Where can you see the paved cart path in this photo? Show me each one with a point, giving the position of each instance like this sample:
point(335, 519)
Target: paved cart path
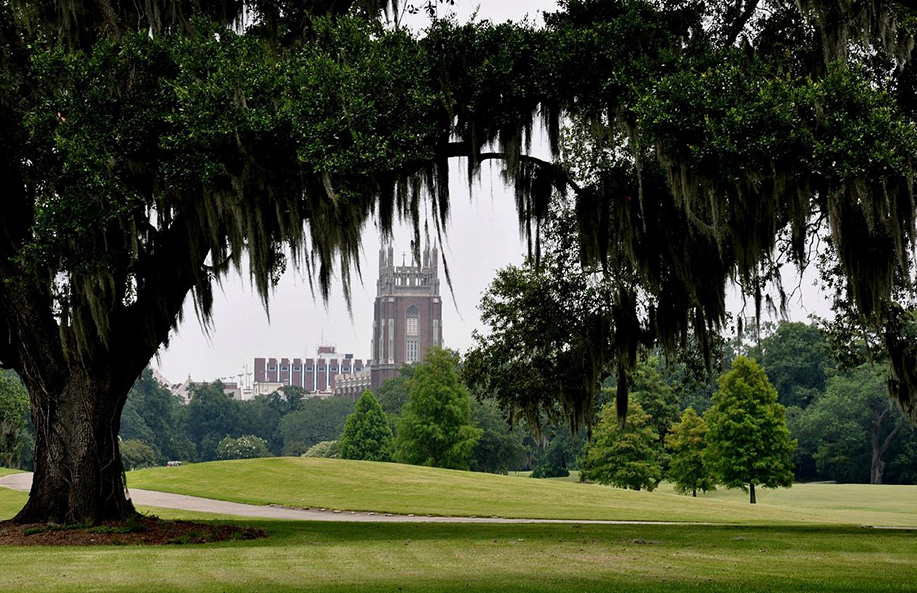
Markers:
point(152, 498)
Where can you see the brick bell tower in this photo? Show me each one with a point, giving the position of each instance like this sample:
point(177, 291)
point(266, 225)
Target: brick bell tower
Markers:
point(407, 316)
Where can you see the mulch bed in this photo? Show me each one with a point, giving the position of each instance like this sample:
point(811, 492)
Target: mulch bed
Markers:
point(140, 531)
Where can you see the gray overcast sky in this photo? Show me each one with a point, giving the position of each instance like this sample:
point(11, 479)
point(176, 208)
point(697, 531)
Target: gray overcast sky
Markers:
point(482, 237)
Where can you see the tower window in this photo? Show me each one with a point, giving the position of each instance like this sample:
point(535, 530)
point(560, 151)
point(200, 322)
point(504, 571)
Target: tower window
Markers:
point(412, 321)
point(411, 330)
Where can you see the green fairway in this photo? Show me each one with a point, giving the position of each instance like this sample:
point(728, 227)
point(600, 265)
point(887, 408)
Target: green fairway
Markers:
point(844, 499)
point(550, 558)
point(404, 489)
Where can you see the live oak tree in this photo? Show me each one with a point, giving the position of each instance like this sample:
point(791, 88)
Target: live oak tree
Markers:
point(149, 148)
point(367, 434)
point(146, 148)
point(748, 443)
point(688, 466)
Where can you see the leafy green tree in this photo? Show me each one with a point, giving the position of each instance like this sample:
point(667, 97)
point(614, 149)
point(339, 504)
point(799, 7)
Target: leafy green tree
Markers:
point(261, 416)
point(499, 449)
point(436, 427)
point(210, 416)
point(247, 446)
point(688, 467)
point(797, 360)
point(748, 442)
point(137, 454)
point(549, 335)
point(655, 396)
point(319, 419)
point(14, 403)
point(393, 394)
point(623, 456)
point(366, 433)
point(851, 427)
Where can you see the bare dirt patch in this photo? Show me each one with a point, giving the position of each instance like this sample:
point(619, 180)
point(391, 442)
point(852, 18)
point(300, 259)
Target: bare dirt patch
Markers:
point(139, 531)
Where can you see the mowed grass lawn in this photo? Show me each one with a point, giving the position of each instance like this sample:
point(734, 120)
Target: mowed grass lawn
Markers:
point(340, 557)
point(404, 489)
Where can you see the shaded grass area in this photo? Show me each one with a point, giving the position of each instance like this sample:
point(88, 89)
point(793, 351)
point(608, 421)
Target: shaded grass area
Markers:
point(437, 557)
point(405, 489)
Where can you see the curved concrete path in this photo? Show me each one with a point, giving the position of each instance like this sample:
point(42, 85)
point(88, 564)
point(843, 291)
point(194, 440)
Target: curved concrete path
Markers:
point(152, 498)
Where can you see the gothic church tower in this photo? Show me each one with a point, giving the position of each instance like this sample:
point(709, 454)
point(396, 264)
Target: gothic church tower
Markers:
point(407, 317)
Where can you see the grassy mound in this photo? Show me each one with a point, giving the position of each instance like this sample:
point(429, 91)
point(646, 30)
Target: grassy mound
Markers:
point(403, 489)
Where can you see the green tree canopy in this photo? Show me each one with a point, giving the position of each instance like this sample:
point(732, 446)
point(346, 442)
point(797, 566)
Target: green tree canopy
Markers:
point(436, 426)
point(319, 419)
point(623, 456)
point(688, 466)
point(851, 426)
point(797, 360)
point(327, 449)
point(499, 448)
point(654, 394)
point(748, 442)
point(137, 454)
point(209, 417)
point(366, 432)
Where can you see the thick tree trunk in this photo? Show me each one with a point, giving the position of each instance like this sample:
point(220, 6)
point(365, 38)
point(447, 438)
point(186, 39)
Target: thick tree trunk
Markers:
point(79, 477)
point(751, 494)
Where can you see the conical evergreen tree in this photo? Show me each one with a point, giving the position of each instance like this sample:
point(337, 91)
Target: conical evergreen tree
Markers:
point(366, 433)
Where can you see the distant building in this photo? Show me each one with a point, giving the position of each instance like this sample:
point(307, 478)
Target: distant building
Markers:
point(354, 384)
point(317, 375)
point(407, 320)
point(407, 316)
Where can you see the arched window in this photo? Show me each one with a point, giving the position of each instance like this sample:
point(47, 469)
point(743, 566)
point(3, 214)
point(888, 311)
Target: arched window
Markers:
point(411, 333)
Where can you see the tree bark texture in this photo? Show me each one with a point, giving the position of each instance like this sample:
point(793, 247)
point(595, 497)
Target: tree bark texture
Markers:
point(79, 477)
point(751, 494)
